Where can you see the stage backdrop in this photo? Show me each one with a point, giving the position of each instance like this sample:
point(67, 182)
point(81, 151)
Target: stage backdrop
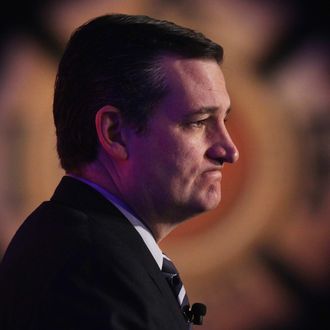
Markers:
point(261, 260)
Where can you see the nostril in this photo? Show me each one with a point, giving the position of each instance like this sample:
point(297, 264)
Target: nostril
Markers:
point(218, 161)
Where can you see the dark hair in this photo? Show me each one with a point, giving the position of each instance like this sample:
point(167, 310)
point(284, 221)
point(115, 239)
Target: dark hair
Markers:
point(115, 59)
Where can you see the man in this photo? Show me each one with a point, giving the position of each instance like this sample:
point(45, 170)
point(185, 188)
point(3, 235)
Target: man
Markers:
point(140, 107)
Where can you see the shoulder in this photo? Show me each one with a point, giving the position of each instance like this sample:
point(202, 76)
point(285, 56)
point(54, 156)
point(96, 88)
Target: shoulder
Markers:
point(85, 266)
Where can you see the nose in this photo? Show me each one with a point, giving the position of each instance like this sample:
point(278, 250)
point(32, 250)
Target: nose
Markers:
point(223, 150)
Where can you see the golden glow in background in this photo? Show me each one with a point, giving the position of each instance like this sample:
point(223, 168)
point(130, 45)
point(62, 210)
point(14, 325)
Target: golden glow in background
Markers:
point(261, 260)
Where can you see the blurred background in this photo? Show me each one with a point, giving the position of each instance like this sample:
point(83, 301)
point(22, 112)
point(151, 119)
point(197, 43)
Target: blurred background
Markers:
point(260, 261)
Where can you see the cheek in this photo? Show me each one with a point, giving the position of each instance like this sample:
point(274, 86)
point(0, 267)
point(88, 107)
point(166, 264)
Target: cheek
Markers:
point(186, 167)
point(175, 158)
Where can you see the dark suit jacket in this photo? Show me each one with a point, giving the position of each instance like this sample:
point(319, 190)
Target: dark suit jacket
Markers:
point(77, 263)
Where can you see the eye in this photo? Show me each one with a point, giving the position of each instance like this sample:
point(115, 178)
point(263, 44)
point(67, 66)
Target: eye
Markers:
point(198, 123)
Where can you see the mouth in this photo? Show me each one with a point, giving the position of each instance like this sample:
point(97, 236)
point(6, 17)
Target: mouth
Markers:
point(214, 174)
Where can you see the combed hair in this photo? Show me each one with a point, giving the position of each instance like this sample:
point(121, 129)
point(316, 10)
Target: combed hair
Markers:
point(115, 59)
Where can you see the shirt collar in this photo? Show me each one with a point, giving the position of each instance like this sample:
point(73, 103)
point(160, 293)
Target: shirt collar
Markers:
point(144, 232)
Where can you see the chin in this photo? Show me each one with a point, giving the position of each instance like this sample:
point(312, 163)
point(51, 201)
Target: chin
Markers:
point(213, 198)
point(208, 204)
point(202, 202)
point(212, 206)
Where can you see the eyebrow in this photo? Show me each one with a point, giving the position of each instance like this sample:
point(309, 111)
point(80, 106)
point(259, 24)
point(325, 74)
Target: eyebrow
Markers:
point(206, 110)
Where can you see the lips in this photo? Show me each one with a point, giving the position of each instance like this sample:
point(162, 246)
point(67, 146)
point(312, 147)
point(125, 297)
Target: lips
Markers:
point(213, 174)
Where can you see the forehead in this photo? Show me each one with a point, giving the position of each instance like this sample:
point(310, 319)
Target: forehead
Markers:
point(195, 83)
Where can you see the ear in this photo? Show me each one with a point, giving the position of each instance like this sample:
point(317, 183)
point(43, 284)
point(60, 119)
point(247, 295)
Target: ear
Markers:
point(109, 128)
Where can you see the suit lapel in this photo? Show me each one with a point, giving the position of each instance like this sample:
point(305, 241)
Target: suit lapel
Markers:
point(78, 195)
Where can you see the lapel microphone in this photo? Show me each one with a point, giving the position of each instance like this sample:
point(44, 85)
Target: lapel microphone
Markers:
point(196, 313)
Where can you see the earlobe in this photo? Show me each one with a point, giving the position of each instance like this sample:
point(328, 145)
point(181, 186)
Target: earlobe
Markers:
point(109, 129)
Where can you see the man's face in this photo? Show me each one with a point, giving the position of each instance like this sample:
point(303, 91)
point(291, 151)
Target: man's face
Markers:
point(176, 165)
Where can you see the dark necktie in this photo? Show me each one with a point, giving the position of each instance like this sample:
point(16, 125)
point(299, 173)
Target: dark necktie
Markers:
point(172, 276)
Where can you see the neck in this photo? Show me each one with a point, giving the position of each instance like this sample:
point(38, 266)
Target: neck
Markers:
point(99, 174)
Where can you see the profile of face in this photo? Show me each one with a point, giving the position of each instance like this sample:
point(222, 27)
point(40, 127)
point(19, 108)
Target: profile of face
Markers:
point(175, 167)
